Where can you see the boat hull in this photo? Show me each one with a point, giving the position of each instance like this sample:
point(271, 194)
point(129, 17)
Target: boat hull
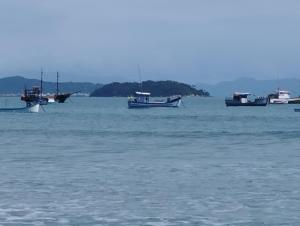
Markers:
point(150, 105)
point(61, 98)
point(31, 109)
point(259, 102)
point(278, 101)
point(174, 104)
point(256, 103)
point(245, 104)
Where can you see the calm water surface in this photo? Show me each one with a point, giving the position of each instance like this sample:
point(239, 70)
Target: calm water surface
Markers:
point(92, 161)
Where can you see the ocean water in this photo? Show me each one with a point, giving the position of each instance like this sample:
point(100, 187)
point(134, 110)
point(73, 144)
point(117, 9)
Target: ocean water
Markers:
point(92, 161)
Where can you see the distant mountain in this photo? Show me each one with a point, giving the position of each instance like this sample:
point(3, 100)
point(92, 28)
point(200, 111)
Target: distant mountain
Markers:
point(258, 87)
point(160, 88)
point(16, 85)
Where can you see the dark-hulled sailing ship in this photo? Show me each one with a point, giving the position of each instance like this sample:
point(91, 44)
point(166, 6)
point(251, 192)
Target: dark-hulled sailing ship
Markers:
point(61, 97)
point(36, 94)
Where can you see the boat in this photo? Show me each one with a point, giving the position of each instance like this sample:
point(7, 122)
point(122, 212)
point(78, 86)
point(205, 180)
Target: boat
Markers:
point(279, 97)
point(30, 107)
point(61, 97)
point(36, 94)
point(283, 97)
point(297, 109)
point(142, 100)
point(241, 99)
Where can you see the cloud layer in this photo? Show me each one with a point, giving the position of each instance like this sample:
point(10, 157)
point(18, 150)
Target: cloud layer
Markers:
point(192, 41)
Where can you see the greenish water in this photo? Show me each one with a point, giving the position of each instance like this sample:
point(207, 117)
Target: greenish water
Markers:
point(92, 161)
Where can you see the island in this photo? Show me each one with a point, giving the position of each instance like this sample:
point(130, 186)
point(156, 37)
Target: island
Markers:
point(156, 88)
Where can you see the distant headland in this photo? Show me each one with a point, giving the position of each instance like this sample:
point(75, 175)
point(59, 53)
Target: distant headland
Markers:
point(254, 86)
point(156, 88)
point(15, 85)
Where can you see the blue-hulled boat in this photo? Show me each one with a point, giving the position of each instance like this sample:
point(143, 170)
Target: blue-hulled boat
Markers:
point(241, 99)
point(142, 100)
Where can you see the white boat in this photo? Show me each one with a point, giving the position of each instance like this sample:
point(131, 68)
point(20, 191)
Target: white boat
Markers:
point(142, 100)
point(31, 108)
point(280, 97)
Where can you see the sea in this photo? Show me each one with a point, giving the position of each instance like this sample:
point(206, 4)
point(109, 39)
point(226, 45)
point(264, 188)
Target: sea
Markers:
point(93, 161)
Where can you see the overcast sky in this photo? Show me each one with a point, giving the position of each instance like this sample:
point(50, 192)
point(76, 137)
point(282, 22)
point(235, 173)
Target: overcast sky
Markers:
point(193, 41)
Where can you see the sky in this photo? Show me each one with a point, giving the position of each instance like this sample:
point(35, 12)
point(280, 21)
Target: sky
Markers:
point(193, 41)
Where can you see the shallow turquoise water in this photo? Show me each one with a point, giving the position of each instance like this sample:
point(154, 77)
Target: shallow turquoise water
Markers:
point(92, 161)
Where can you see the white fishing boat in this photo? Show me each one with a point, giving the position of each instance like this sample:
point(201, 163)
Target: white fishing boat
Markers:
point(280, 97)
point(142, 100)
point(30, 107)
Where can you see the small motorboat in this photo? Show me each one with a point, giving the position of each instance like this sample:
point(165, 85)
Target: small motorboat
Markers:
point(241, 99)
point(279, 97)
point(142, 100)
point(30, 107)
point(297, 109)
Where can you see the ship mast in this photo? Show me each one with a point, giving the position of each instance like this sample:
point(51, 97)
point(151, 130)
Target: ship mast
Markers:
point(57, 83)
point(140, 78)
point(41, 94)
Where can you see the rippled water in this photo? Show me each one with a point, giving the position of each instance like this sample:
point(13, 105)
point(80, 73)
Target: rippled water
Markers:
point(92, 161)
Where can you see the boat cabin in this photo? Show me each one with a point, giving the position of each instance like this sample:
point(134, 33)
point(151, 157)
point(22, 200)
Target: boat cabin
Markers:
point(241, 97)
point(282, 94)
point(142, 97)
point(34, 91)
point(31, 94)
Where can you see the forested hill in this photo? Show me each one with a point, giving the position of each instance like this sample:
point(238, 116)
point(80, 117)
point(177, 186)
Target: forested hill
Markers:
point(158, 89)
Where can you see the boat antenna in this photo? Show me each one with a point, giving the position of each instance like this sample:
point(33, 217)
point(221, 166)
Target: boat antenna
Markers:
point(140, 77)
point(57, 76)
point(278, 83)
point(41, 82)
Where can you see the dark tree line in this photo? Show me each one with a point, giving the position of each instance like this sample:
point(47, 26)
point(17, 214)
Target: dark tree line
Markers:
point(158, 89)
